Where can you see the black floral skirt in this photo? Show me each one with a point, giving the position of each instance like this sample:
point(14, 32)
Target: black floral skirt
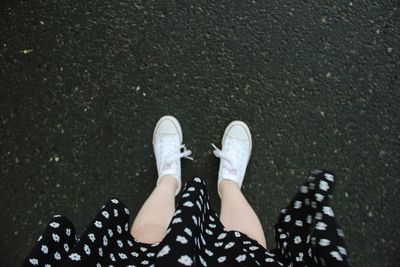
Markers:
point(306, 234)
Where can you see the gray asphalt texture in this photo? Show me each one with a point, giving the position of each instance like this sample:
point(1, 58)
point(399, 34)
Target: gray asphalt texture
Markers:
point(82, 84)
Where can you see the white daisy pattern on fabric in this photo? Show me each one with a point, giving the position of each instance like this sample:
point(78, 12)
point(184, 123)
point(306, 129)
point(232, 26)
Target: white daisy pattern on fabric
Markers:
point(196, 236)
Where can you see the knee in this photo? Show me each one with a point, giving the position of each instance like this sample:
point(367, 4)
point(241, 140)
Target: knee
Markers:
point(149, 233)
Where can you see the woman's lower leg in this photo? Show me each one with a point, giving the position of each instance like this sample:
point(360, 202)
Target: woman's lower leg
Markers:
point(237, 214)
point(152, 221)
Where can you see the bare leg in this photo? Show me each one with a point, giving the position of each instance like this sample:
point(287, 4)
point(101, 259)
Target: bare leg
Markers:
point(237, 214)
point(150, 224)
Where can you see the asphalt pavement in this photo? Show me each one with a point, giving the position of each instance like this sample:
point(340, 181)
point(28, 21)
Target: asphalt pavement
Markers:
point(82, 84)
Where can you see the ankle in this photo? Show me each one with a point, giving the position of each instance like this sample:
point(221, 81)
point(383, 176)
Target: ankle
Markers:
point(168, 182)
point(227, 186)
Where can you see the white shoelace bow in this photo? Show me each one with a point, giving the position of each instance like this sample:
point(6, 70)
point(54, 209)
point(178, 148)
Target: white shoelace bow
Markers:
point(175, 155)
point(223, 155)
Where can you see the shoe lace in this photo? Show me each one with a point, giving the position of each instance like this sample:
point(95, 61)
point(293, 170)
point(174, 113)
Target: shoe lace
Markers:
point(177, 154)
point(223, 155)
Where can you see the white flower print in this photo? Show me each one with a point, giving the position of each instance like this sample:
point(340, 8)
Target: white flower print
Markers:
point(150, 254)
point(34, 261)
point(122, 256)
point(105, 241)
point(68, 232)
point(336, 255)
point(342, 250)
point(54, 224)
point(297, 240)
point(119, 242)
point(47, 265)
point(329, 177)
point(145, 262)
point(126, 211)
point(197, 179)
point(92, 237)
point(209, 253)
point(177, 212)
point(105, 214)
point(130, 243)
point(221, 259)
point(66, 247)
point(253, 248)
point(303, 189)
point(203, 262)
point(87, 249)
point(318, 216)
point(324, 242)
point(241, 258)
point(185, 195)
point(75, 257)
point(340, 232)
point(211, 218)
point(119, 229)
point(115, 201)
point(188, 231)
point(126, 227)
point(181, 239)
point(198, 204)
point(298, 223)
point(112, 257)
point(101, 252)
point(237, 234)
point(56, 237)
point(164, 251)
point(191, 189)
point(176, 220)
point(221, 236)
point(297, 204)
point(319, 197)
point(40, 238)
point(194, 220)
point(323, 185)
point(202, 239)
point(282, 236)
point(98, 265)
point(185, 260)
point(98, 224)
point(110, 233)
point(211, 225)
point(188, 204)
point(218, 244)
point(229, 245)
point(57, 256)
point(270, 260)
point(321, 226)
point(328, 211)
point(209, 232)
point(287, 218)
point(300, 257)
point(45, 249)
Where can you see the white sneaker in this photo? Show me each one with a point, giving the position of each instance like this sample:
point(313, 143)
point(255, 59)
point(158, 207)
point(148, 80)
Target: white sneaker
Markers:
point(235, 153)
point(167, 146)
